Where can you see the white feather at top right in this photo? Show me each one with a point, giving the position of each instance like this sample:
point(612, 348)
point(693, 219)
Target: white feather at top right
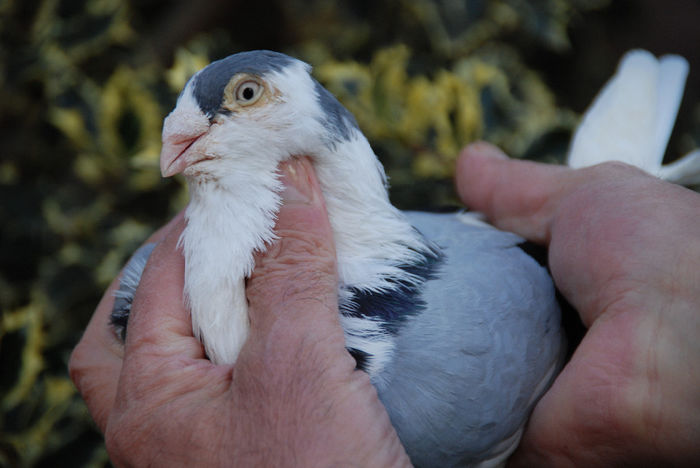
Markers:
point(632, 117)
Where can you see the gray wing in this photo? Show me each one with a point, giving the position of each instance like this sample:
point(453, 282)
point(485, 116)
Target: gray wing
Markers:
point(467, 371)
point(124, 296)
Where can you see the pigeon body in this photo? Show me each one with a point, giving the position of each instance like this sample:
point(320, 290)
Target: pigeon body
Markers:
point(467, 369)
point(456, 326)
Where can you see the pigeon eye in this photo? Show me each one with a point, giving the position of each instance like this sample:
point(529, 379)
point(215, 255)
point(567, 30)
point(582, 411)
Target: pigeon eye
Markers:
point(248, 92)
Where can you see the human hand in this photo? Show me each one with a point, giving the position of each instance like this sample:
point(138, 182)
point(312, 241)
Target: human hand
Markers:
point(624, 249)
point(293, 398)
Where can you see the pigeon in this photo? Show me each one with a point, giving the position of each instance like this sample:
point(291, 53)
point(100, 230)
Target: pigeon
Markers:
point(457, 326)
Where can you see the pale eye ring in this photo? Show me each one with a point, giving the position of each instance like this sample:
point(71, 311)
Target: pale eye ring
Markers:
point(248, 92)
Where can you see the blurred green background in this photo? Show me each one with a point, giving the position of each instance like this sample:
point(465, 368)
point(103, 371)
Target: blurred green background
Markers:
point(84, 86)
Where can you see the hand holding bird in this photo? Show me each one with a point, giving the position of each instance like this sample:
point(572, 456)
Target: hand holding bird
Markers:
point(455, 327)
point(595, 402)
point(624, 247)
point(293, 397)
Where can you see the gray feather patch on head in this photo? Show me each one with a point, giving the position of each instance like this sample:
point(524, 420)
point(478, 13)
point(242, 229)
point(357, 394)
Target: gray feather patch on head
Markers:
point(336, 118)
point(209, 84)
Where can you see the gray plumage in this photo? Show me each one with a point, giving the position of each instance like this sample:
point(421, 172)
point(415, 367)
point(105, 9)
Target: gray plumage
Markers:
point(210, 83)
point(487, 345)
point(336, 117)
point(469, 368)
point(129, 281)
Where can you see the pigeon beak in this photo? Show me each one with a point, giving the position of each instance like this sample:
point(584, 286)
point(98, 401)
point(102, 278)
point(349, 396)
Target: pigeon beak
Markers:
point(181, 131)
point(174, 157)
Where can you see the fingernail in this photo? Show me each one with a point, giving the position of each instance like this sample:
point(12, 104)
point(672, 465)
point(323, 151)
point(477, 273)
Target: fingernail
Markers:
point(297, 181)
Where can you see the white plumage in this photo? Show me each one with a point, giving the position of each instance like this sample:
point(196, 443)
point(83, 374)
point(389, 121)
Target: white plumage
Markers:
point(632, 118)
point(234, 198)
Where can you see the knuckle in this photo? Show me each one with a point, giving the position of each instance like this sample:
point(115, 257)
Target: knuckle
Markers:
point(613, 169)
point(294, 263)
point(295, 245)
point(76, 367)
point(128, 434)
point(119, 442)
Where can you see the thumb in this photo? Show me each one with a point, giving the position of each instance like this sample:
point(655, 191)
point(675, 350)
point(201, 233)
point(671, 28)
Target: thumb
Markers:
point(518, 196)
point(293, 291)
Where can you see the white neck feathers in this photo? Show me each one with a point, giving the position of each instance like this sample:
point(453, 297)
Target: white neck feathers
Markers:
point(231, 217)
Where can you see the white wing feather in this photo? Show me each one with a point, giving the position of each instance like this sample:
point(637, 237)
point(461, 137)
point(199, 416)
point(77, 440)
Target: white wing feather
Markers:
point(632, 117)
point(684, 171)
point(673, 71)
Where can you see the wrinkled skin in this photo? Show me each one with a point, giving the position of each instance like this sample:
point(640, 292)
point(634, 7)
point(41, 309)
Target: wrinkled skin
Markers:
point(624, 248)
point(293, 397)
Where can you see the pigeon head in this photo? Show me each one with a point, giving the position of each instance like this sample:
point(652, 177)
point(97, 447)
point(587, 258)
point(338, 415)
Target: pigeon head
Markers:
point(253, 108)
point(234, 123)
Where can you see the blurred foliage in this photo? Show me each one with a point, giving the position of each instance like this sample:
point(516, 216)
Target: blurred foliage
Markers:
point(84, 86)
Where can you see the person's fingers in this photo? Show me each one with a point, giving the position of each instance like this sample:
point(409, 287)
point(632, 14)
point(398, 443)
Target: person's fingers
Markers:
point(293, 290)
point(96, 361)
point(518, 196)
point(159, 321)
point(295, 360)
point(162, 359)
